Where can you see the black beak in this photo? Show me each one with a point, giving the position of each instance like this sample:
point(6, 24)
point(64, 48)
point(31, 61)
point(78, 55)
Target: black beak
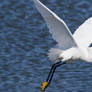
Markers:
point(51, 73)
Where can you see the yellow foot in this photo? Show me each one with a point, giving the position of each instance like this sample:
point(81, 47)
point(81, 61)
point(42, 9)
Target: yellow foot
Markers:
point(44, 86)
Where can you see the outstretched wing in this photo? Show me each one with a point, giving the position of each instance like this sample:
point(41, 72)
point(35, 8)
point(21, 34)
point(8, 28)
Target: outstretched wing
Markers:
point(83, 35)
point(57, 27)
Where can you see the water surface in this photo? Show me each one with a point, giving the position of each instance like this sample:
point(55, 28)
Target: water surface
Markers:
point(25, 41)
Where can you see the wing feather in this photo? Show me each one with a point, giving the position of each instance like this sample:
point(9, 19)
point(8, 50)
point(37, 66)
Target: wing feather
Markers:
point(83, 35)
point(57, 27)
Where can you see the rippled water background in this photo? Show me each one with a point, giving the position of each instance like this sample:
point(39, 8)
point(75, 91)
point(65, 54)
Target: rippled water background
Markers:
point(25, 41)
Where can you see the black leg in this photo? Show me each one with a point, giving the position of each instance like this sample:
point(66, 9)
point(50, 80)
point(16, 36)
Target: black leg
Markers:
point(52, 70)
point(51, 73)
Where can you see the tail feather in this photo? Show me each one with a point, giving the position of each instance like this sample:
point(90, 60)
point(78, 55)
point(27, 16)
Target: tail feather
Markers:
point(54, 54)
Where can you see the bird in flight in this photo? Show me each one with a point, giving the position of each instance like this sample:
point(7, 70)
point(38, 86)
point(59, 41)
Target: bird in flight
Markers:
point(70, 47)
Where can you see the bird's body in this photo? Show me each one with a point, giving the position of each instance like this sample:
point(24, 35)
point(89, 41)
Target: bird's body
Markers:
point(70, 47)
point(71, 54)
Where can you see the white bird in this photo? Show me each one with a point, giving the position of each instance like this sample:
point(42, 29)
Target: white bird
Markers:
point(70, 47)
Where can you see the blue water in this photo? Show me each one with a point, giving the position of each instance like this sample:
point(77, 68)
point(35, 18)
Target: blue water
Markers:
point(25, 41)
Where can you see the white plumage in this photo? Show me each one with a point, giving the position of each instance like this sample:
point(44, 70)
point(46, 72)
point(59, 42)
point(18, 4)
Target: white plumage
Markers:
point(70, 47)
point(83, 35)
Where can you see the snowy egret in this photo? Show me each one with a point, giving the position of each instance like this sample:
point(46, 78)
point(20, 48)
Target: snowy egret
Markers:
point(69, 47)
